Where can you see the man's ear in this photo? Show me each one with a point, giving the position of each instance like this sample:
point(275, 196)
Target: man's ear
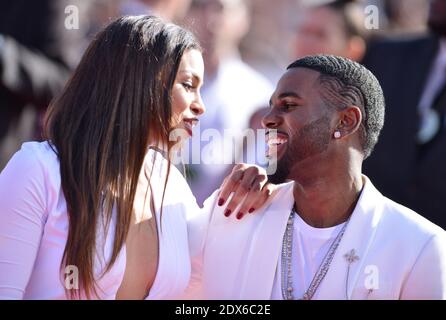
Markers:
point(350, 120)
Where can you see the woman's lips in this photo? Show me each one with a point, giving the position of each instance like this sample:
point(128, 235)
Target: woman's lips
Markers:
point(189, 124)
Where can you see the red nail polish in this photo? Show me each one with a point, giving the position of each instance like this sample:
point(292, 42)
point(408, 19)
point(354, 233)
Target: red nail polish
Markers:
point(251, 210)
point(239, 215)
point(227, 212)
point(221, 202)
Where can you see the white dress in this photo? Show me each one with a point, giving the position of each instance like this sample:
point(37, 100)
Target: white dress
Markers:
point(34, 228)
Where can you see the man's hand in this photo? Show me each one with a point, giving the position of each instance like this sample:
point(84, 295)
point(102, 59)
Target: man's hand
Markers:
point(245, 180)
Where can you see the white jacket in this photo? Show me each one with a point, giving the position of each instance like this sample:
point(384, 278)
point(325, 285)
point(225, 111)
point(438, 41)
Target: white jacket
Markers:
point(398, 254)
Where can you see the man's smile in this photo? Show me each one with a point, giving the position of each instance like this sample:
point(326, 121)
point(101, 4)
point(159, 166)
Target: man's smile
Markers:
point(276, 144)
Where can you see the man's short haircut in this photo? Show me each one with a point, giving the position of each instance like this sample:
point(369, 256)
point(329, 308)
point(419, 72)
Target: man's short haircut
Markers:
point(345, 83)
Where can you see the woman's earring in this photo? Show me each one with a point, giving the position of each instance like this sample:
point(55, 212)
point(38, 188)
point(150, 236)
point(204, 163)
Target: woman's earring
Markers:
point(337, 134)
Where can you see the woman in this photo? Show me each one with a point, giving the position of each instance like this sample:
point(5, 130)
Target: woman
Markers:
point(97, 211)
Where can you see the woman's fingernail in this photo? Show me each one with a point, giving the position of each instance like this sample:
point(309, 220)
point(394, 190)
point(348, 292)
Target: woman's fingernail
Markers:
point(221, 202)
point(239, 215)
point(227, 212)
point(251, 210)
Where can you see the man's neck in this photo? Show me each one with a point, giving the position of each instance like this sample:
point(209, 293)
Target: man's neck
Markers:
point(327, 197)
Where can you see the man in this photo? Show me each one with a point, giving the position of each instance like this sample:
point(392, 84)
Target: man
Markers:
point(326, 233)
point(408, 164)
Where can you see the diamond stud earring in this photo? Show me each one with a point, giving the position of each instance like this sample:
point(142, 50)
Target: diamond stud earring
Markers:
point(337, 134)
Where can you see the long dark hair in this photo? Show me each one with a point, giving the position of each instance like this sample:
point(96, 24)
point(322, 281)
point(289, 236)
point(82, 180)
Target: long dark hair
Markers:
point(118, 99)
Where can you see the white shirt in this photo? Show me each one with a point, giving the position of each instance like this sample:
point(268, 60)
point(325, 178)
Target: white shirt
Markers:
point(310, 245)
point(34, 228)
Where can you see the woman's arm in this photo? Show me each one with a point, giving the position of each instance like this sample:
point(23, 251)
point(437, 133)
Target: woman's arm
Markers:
point(22, 211)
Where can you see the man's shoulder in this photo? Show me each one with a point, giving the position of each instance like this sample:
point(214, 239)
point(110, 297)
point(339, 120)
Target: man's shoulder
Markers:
point(406, 223)
point(280, 199)
point(282, 192)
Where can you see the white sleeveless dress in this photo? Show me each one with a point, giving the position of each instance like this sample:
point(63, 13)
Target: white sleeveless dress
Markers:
point(34, 228)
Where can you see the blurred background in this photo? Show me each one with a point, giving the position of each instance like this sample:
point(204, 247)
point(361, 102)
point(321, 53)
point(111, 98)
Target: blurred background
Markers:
point(247, 46)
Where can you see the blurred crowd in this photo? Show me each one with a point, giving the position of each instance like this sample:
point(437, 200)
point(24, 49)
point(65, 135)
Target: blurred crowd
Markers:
point(247, 45)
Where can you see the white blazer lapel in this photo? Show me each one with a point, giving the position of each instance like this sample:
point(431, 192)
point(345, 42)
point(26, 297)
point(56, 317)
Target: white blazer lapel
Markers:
point(266, 245)
point(240, 256)
point(349, 257)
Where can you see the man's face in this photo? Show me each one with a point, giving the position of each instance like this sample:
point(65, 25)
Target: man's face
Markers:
point(302, 121)
point(437, 17)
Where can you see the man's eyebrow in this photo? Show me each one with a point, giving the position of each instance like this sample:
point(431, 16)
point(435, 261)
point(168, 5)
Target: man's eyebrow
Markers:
point(289, 94)
point(286, 94)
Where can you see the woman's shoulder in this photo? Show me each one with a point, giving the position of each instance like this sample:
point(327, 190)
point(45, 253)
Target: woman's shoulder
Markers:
point(31, 177)
point(42, 153)
point(35, 159)
point(40, 148)
point(156, 161)
point(177, 185)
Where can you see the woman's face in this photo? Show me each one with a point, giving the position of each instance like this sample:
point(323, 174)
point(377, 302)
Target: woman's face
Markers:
point(186, 99)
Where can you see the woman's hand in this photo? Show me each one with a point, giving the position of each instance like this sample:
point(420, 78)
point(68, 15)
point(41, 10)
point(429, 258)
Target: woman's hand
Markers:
point(245, 180)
